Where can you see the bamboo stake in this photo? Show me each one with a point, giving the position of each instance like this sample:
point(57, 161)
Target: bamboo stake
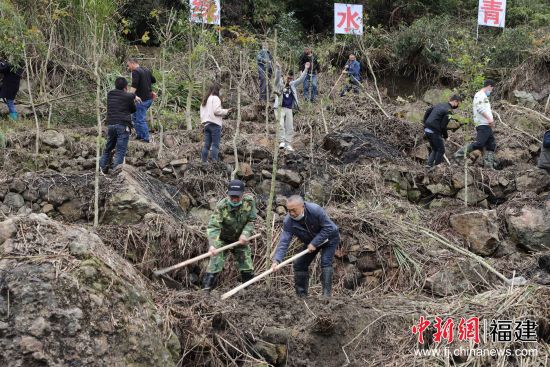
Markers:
point(371, 97)
point(200, 257)
point(263, 275)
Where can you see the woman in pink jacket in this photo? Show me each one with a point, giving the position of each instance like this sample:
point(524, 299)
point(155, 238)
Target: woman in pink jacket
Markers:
point(211, 118)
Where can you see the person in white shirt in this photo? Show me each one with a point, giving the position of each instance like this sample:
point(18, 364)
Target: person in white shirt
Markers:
point(483, 119)
point(211, 118)
point(285, 88)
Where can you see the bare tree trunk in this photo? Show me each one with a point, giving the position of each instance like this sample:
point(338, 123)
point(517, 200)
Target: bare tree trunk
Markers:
point(189, 90)
point(236, 136)
point(31, 99)
point(269, 216)
point(98, 117)
point(373, 77)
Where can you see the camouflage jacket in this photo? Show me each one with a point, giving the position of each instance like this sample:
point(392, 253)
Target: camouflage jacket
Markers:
point(228, 223)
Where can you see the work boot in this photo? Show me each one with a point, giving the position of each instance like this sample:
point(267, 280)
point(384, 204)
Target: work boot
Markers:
point(246, 276)
point(462, 153)
point(13, 116)
point(209, 282)
point(301, 283)
point(489, 161)
point(326, 281)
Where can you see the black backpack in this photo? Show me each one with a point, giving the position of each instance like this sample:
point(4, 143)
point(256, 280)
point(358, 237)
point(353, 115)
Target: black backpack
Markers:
point(427, 114)
point(546, 139)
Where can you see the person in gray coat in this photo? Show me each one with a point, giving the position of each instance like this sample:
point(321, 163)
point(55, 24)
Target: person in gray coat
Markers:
point(286, 89)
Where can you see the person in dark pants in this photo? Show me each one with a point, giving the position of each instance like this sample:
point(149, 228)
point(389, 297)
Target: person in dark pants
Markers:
point(311, 78)
point(211, 118)
point(264, 61)
point(142, 81)
point(120, 106)
point(483, 119)
point(311, 225)
point(353, 69)
point(10, 86)
point(436, 120)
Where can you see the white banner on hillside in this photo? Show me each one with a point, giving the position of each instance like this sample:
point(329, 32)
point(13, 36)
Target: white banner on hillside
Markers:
point(205, 11)
point(491, 13)
point(348, 19)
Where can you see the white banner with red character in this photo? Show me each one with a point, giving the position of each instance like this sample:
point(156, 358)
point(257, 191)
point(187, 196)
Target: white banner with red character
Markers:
point(205, 11)
point(348, 19)
point(491, 13)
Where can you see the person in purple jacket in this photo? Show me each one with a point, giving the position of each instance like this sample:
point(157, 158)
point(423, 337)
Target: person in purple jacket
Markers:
point(312, 226)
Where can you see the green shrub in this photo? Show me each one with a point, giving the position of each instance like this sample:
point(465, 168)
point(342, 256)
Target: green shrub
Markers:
point(423, 45)
point(510, 48)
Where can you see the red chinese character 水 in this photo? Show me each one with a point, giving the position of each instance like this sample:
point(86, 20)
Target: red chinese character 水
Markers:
point(420, 327)
point(443, 332)
point(349, 18)
point(469, 329)
point(491, 11)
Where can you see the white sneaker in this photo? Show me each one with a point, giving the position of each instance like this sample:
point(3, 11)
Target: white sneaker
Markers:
point(289, 148)
point(282, 145)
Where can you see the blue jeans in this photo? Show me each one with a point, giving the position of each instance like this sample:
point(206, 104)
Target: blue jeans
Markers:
point(139, 119)
point(264, 82)
point(117, 139)
point(11, 105)
point(327, 254)
point(212, 137)
point(310, 79)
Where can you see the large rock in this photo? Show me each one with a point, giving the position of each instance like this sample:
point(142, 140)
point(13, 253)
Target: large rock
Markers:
point(355, 146)
point(479, 228)
point(536, 180)
point(530, 227)
point(14, 200)
point(524, 98)
point(71, 210)
point(52, 138)
point(93, 310)
point(464, 276)
point(290, 177)
point(440, 189)
point(133, 195)
point(55, 193)
point(474, 195)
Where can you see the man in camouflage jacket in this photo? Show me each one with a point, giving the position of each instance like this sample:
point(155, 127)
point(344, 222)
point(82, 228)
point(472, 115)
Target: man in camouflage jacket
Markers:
point(232, 221)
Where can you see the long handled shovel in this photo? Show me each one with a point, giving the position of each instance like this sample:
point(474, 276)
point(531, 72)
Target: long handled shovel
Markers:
point(263, 275)
point(200, 257)
point(335, 84)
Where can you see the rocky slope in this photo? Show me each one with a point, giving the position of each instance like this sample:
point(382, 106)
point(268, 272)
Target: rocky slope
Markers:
point(409, 242)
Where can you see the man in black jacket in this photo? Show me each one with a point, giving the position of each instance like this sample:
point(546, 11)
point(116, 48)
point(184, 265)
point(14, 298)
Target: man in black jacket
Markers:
point(311, 78)
point(436, 120)
point(120, 106)
point(142, 80)
point(10, 86)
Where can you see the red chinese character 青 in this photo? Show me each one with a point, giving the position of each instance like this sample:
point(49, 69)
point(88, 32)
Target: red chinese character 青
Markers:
point(349, 18)
point(491, 11)
point(469, 329)
point(444, 331)
point(420, 327)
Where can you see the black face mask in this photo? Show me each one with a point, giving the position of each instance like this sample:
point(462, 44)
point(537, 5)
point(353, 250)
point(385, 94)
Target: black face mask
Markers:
point(454, 107)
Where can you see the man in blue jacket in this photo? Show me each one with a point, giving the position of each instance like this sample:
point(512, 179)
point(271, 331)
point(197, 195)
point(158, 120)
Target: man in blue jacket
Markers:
point(312, 226)
point(353, 69)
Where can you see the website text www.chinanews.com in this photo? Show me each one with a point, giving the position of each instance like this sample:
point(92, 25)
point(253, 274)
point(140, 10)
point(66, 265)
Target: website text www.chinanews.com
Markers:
point(476, 352)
